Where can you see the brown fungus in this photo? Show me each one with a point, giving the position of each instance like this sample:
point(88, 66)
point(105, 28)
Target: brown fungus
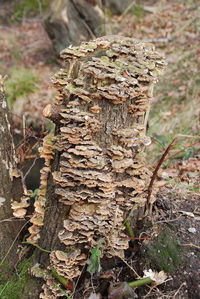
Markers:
point(104, 97)
point(46, 152)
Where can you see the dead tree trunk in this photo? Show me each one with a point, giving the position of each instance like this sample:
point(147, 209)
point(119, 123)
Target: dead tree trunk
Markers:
point(95, 172)
point(10, 189)
point(117, 6)
point(69, 22)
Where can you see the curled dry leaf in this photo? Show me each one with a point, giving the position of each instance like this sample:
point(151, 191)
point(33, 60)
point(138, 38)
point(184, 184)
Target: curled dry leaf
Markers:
point(157, 277)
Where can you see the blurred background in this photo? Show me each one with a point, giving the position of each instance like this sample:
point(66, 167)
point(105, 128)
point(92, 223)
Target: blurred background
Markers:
point(33, 32)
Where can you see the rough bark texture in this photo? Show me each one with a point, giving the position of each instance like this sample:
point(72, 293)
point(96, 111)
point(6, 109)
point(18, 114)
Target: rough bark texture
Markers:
point(117, 6)
point(69, 22)
point(95, 172)
point(10, 188)
point(73, 21)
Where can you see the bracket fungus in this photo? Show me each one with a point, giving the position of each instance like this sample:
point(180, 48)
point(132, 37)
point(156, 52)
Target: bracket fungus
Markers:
point(104, 94)
point(46, 152)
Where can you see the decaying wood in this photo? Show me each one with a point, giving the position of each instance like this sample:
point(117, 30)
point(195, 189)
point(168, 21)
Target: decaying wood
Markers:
point(10, 188)
point(69, 22)
point(118, 6)
point(95, 170)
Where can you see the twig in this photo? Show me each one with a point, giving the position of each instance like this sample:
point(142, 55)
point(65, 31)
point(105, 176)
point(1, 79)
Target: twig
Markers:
point(191, 245)
point(127, 9)
point(77, 281)
point(174, 296)
point(155, 172)
point(196, 212)
point(28, 171)
point(5, 286)
point(2, 261)
point(170, 220)
point(182, 150)
point(154, 176)
point(12, 219)
point(136, 238)
point(130, 267)
point(37, 246)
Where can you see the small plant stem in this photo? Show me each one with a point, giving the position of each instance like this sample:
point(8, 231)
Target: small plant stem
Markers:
point(129, 228)
point(140, 282)
point(37, 246)
point(60, 278)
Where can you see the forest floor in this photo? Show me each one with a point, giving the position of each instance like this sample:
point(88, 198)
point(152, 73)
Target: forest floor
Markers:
point(172, 233)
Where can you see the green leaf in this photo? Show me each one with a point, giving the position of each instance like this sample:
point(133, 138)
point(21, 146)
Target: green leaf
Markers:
point(94, 261)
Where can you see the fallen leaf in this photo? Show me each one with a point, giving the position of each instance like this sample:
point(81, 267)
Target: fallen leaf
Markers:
point(157, 277)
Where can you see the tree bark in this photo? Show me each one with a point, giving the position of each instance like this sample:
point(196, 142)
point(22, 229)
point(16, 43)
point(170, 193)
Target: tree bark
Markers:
point(117, 6)
point(69, 22)
point(10, 189)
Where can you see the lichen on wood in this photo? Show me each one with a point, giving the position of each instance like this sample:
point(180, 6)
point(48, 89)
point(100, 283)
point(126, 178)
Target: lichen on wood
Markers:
point(100, 174)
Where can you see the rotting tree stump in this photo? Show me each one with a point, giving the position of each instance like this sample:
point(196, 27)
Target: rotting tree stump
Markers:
point(95, 171)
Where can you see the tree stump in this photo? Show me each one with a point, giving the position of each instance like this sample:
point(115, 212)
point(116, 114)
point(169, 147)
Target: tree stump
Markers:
point(95, 172)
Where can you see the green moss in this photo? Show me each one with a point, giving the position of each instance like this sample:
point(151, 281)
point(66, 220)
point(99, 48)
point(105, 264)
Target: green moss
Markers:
point(29, 8)
point(164, 252)
point(108, 13)
point(13, 288)
point(138, 11)
point(21, 82)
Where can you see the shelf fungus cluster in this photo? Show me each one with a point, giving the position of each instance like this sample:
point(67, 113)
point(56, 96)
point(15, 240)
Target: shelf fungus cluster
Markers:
point(20, 208)
point(46, 152)
point(100, 115)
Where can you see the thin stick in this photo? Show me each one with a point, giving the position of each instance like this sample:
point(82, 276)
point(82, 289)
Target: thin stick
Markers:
point(28, 171)
point(174, 296)
point(5, 286)
point(1, 263)
point(170, 220)
point(127, 9)
point(12, 219)
point(130, 267)
point(191, 245)
point(154, 176)
point(37, 246)
point(182, 150)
